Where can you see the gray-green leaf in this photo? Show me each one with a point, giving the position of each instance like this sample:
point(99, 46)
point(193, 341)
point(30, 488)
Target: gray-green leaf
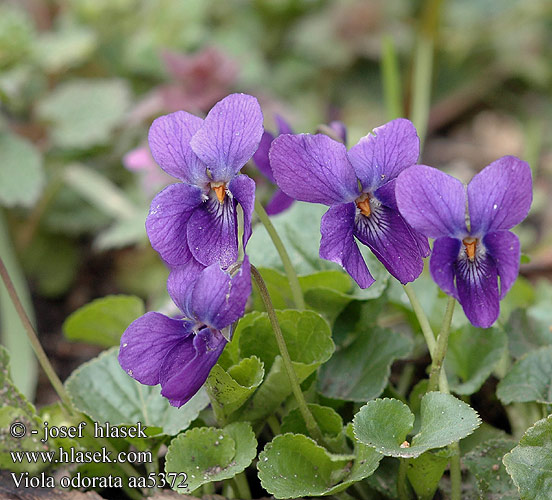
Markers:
point(207, 454)
point(472, 355)
point(530, 379)
point(104, 320)
point(360, 370)
point(21, 171)
point(385, 423)
point(102, 390)
point(530, 462)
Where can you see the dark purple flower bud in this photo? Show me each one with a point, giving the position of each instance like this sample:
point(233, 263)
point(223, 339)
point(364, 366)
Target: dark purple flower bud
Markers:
point(179, 353)
point(359, 187)
point(468, 260)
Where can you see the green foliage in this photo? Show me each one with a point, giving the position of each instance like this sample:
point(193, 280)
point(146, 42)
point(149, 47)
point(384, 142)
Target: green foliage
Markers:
point(472, 355)
point(207, 454)
point(530, 379)
point(84, 112)
point(530, 462)
point(293, 465)
point(485, 463)
point(21, 172)
point(385, 424)
point(359, 371)
point(102, 390)
point(424, 472)
point(299, 229)
point(229, 389)
point(16, 35)
point(16, 408)
point(104, 320)
point(528, 330)
point(309, 343)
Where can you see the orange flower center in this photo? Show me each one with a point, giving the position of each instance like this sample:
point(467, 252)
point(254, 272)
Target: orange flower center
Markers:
point(470, 244)
point(220, 190)
point(363, 203)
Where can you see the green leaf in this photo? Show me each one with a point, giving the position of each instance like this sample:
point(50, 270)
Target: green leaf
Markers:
point(424, 472)
point(104, 320)
point(472, 355)
point(84, 112)
point(102, 390)
point(53, 261)
point(21, 171)
point(324, 291)
point(526, 332)
point(530, 462)
point(308, 339)
point(485, 463)
point(359, 371)
point(207, 454)
point(299, 229)
point(328, 420)
point(63, 49)
point(530, 379)
point(385, 423)
point(293, 465)
point(16, 408)
point(230, 389)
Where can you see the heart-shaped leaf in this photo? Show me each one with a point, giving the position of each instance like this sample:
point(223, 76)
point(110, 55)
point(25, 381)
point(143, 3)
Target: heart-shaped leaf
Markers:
point(230, 389)
point(208, 454)
point(530, 462)
point(104, 320)
point(102, 390)
point(359, 371)
point(385, 423)
point(472, 355)
point(530, 379)
point(293, 465)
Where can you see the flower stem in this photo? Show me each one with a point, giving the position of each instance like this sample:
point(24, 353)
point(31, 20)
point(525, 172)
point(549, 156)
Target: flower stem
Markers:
point(440, 350)
point(402, 484)
point(243, 492)
point(391, 79)
point(312, 426)
point(421, 317)
point(281, 249)
point(33, 338)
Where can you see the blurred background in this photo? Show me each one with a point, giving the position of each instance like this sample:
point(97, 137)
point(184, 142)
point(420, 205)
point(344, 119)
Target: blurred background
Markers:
point(81, 81)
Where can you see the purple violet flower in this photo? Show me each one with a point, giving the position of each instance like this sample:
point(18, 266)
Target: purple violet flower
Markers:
point(359, 187)
point(179, 353)
point(280, 201)
point(468, 258)
point(198, 216)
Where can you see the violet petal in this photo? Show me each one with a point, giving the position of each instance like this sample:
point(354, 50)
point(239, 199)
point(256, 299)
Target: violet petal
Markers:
point(338, 244)
point(313, 168)
point(229, 136)
point(212, 233)
point(180, 284)
point(279, 202)
point(442, 263)
point(146, 342)
point(186, 367)
point(431, 201)
point(392, 241)
point(242, 189)
point(169, 140)
point(477, 285)
point(499, 197)
point(166, 223)
point(504, 248)
point(283, 126)
point(218, 299)
point(381, 156)
point(261, 156)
